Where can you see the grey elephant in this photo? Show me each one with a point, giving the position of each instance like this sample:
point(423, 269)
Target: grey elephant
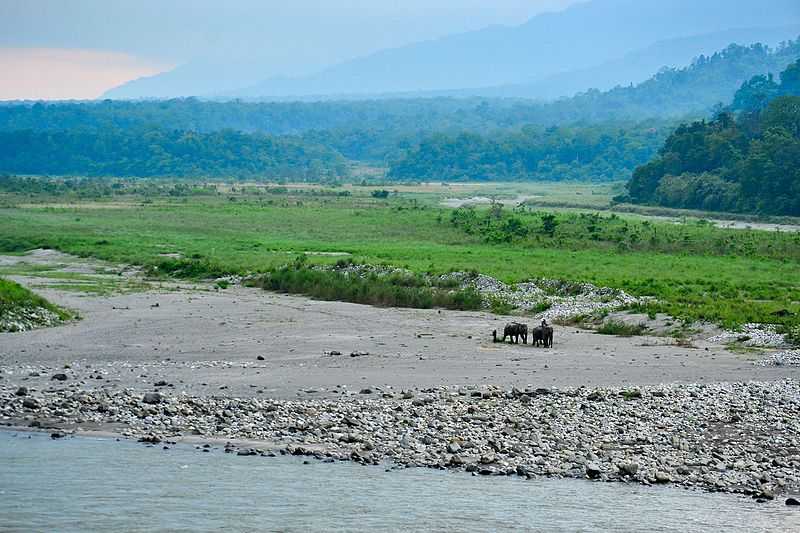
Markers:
point(515, 331)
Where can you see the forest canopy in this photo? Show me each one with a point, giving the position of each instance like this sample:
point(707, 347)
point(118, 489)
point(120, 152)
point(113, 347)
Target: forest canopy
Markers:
point(747, 159)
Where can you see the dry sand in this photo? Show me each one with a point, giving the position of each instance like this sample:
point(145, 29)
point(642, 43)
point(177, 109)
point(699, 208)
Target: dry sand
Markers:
point(206, 341)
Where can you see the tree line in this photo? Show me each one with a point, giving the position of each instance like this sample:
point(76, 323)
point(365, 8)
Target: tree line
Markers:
point(596, 152)
point(158, 153)
point(746, 159)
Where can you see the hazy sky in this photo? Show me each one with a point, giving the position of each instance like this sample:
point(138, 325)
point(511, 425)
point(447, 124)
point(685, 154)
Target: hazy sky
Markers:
point(52, 49)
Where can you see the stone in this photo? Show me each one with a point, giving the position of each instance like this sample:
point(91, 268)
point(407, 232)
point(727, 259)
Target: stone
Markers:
point(453, 447)
point(247, 452)
point(365, 391)
point(161, 383)
point(152, 398)
point(663, 477)
point(592, 470)
point(30, 403)
point(57, 435)
point(22, 391)
point(260, 358)
point(792, 501)
point(628, 469)
point(59, 377)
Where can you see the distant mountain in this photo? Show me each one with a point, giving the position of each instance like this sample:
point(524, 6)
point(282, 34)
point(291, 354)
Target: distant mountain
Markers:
point(586, 37)
point(581, 37)
point(637, 66)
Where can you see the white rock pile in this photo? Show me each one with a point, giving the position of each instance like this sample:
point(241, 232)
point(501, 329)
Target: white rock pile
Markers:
point(565, 299)
point(26, 318)
point(753, 335)
point(785, 358)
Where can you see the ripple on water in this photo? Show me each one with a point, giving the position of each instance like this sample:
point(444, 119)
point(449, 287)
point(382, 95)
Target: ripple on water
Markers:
point(99, 484)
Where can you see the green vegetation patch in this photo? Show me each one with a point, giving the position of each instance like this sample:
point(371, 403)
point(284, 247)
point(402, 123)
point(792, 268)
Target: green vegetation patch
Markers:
point(694, 271)
point(21, 309)
point(621, 329)
point(398, 290)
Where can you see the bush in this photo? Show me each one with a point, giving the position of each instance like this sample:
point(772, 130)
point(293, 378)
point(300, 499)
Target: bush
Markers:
point(621, 329)
point(400, 290)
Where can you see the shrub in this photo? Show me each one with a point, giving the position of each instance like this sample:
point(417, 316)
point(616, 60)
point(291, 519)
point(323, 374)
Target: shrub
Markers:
point(621, 329)
point(397, 290)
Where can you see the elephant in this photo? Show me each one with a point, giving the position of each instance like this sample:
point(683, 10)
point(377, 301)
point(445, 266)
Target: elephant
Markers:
point(515, 330)
point(543, 335)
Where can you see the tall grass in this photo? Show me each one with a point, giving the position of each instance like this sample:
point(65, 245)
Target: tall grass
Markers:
point(371, 289)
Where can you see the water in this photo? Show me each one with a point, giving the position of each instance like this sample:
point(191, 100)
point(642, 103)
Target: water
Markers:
point(92, 484)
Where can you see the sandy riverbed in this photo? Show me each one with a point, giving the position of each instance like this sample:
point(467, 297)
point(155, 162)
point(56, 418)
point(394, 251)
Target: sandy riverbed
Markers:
point(202, 339)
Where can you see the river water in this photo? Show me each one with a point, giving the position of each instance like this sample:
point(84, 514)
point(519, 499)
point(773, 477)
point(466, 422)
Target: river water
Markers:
point(96, 484)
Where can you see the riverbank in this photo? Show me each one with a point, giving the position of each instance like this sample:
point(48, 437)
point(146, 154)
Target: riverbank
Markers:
point(736, 437)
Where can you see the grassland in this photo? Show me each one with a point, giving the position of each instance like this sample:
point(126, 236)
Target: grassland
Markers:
point(695, 270)
point(22, 309)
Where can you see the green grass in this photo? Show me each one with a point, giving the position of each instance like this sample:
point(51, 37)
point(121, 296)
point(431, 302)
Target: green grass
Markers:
point(14, 296)
point(621, 329)
point(383, 291)
point(696, 271)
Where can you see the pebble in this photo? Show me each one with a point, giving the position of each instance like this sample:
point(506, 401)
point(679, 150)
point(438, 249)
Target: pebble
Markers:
point(679, 433)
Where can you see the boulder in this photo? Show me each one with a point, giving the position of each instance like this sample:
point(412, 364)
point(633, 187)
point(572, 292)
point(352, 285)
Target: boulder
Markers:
point(593, 470)
point(628, 469)
point(30, 403)
point(152, 398)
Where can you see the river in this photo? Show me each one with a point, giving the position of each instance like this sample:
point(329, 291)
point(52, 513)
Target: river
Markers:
point(100, 484)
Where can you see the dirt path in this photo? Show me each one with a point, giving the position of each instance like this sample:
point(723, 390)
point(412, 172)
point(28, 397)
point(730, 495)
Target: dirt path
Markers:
point(206, 341)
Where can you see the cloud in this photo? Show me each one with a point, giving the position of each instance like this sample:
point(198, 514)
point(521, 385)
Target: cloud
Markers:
point(54, 74)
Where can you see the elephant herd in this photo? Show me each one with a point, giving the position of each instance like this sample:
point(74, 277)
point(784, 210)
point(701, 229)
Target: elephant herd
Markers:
point(540, 335)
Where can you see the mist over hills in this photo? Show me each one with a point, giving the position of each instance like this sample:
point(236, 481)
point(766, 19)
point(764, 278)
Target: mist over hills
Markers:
point(600, 42)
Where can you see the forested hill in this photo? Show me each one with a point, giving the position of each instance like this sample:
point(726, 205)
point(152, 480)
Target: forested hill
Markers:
point(150, 153)
point(669, 93)
point(601, 136)
point(747, 161)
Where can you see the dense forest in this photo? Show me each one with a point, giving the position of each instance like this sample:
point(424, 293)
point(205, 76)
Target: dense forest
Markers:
point(600, 152)
point(157, 152)
point(594, 135)
point(747, 159)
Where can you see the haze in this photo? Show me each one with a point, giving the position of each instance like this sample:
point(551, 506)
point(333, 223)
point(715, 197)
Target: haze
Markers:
point(51, 49)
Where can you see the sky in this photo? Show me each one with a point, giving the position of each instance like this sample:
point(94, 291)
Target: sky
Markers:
point(77, 49)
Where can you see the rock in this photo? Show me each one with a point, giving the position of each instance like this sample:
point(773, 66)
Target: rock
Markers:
point(247, 452)
point(59, 377)
point(150, 439)
point(365, 391)
point(30, 403)
point(22, 391)
point(161, 383)
point(57, 435)
point(592, 470)
point(453, 448)
point(792, 501)
point(628, 469)
point(663, 477)
point(152, 398)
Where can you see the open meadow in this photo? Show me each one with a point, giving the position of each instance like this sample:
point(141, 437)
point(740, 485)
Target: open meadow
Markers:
point(692, 269)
